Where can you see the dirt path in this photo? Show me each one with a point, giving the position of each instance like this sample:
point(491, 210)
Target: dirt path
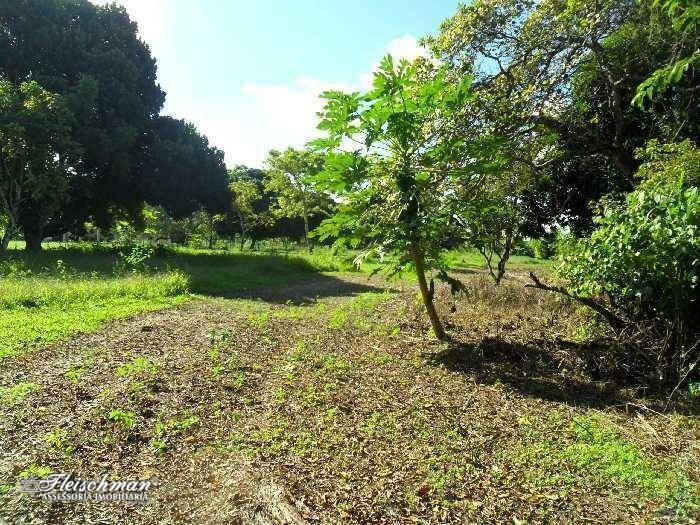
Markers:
point(321, 402)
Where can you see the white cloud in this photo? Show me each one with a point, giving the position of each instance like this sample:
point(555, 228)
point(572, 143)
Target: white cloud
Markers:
point(273, 116)
point(264, 116)
point(407, 47)
point(279, 115)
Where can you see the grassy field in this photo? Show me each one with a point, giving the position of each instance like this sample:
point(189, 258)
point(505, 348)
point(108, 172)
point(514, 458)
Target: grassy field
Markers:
point(66, 290)
point(267, 387)
point(326, 400)
point(75, 288)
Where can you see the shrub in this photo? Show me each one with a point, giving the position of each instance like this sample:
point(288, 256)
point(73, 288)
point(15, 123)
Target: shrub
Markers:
point(136, 255)
point(641, 263)
point(541, 248)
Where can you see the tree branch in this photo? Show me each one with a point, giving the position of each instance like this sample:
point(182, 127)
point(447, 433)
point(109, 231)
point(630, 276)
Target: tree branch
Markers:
point(615, 321)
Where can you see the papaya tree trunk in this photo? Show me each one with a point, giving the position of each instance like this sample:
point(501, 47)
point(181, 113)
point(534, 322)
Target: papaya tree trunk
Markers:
point(426, 292)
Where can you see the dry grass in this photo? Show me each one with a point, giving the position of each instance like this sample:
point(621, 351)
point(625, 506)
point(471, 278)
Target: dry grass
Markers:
point(329, 402)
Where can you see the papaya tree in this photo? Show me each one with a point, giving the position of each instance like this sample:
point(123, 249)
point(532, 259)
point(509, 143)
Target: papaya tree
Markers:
point(396, 162)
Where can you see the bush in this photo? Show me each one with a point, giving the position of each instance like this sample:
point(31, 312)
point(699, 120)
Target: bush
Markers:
point(136, 255)
point(642, 263)
point(542, 248)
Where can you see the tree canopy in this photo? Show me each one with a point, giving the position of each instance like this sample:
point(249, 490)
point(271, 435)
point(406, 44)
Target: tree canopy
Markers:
point(566, 73)
point(93, 59)
point(290, 179)
point(36, 153)
point(409, 165)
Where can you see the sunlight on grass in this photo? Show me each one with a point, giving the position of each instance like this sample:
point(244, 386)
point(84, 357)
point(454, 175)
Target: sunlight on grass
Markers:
point(40, 310)
point(70, 289)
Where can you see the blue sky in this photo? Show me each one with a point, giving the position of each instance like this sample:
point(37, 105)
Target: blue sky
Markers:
point(248, 74)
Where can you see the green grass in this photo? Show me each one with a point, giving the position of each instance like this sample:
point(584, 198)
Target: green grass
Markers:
point(470, 260)
point(463, 260)
point(599, 450)
point(66, 290)
point(72, 288)
point(593, 453)
point(38, 310)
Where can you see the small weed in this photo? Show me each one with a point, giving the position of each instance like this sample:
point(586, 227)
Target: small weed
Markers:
point(184, 424)
point(159, 446)
point(165, 432)
point(35, 471)
point(334, 364)
point(125, 419)
point(280, 395)
point(304, 444)
point(301, 352)
point(310, 396)
point(238, 380)
point(694, 390)
point(140, 366)
point(383, 358)
point(14, 395)
point(219, 337)
point(220, 368)
point(259, 320)
point(75, 374)
point(337, 320)
point(60, 441)
point(380, 424)
point(331, 414)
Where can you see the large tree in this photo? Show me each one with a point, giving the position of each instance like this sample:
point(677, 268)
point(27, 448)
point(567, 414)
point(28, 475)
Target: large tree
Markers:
point(181, 171)
point(93, 57)
point(36, 154)
point(290, 177)
point(568, 70)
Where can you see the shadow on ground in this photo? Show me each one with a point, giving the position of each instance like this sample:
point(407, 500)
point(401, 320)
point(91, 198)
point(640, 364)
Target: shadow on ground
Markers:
point(562, 372)
point(308, 290)
point(273, 277)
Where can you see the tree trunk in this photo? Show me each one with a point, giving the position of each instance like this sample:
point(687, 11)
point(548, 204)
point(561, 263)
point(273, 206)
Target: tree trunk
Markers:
point(210, 241)
point(503, 259)
point(241, 221)
point(33, 240)
point(306, 234)
point(8, 233)
point(626, 163)
point(33, 234)
point(426, 293)
point(6, 236)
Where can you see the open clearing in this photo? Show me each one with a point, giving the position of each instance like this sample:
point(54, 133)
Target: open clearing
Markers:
point(328, 401)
